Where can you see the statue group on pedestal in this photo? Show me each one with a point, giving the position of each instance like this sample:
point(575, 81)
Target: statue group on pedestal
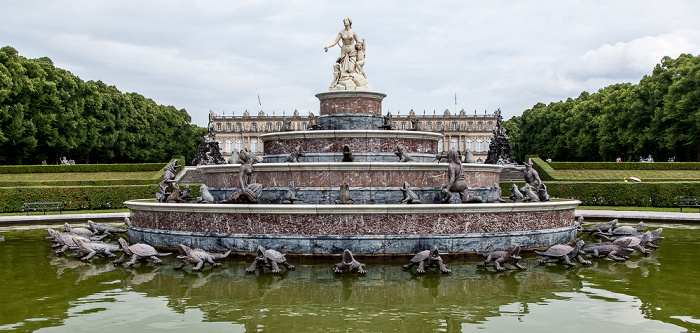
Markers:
point(208, 151)
point(348, 73)
point(499, 149)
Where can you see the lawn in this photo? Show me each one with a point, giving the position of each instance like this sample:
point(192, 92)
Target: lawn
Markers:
point(80, 178)
point(620, 175)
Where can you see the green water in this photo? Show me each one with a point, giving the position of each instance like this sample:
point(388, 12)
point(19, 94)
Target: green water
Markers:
point(48, 293)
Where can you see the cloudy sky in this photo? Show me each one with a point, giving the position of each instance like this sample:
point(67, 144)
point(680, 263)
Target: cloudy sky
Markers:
point(220, 55)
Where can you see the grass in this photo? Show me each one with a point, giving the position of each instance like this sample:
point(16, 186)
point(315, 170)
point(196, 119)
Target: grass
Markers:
point(68, 212)
point(80, 178)
point(619, 175)
point(644, 209)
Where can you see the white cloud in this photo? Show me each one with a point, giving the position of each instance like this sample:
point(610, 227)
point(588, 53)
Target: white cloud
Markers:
point(633, 59)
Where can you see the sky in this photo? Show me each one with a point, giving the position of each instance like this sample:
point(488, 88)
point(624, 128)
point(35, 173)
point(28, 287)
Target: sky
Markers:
point(425, 55)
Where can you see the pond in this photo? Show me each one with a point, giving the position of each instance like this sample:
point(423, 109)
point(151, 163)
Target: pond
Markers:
point(49, 293)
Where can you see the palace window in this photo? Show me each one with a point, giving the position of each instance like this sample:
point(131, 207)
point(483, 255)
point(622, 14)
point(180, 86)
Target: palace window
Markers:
point(403, 126)
point(229, 146)
point(254, 127)
point(239, 145)
point(490, 126)
point(480, 126)
point(429, 127)
point(279, 127)
point(454, 144)
point(269, 127)
point(479, 145)
point(469, 126)
point(440, 143)
point(254, 146)
point(218, 127)
point(238, 127)
point(454, 126)
point(303, 126)
point(470, 145)
point(439, 126)
point(228, 127)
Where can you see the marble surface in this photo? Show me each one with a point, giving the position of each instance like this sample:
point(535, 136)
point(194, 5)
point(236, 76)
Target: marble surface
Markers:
point(357, 174)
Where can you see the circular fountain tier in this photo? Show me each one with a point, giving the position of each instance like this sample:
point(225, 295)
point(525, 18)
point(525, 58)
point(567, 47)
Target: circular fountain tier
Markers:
point(365, 229)
point(370, 183)
point(350, 110)
point(366, 145)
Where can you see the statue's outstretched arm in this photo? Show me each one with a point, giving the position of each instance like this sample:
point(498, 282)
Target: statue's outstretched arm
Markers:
point(337, 39)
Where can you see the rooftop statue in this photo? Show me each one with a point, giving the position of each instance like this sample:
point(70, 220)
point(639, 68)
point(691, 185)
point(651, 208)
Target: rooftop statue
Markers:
point(349, 73)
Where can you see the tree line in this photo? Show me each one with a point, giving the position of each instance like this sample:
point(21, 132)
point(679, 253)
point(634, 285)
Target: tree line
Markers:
point(47, 113)
point(660, 116)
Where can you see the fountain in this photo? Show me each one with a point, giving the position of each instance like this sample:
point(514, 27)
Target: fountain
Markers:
point(350, 127)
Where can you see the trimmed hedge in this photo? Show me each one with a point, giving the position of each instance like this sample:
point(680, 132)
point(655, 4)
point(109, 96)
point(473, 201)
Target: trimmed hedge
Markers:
point(543, 169)
point(663, 194)
point(82, 168)
point(624, 166)
point(75, 197)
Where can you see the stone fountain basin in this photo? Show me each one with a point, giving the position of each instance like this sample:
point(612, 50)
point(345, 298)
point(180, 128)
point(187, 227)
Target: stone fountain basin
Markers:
point(383, 229)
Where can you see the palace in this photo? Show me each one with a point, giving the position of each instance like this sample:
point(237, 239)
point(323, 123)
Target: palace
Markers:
point(461, 131)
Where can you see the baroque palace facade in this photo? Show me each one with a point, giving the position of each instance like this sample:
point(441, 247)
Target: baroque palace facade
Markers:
point(461, 131)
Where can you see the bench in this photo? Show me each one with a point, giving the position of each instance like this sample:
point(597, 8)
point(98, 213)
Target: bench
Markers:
point(43, 206)
point(693, 203)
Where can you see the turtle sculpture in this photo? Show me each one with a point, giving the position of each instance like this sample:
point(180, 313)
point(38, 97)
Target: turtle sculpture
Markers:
point(65, 241)
point(623, 231)
point(92, 248)
point(615, 251)
point(427, 259)
point(408, 195)
point(635, 242)
point(103, 229)
point(600, 227)
point(565, 253)
point(82, 232)
point(138, 251)
point(349, 263)
point(197, 257)
point(269, 258)
point(502, 256)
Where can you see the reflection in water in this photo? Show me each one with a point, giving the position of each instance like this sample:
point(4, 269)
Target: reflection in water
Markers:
point(655, 292)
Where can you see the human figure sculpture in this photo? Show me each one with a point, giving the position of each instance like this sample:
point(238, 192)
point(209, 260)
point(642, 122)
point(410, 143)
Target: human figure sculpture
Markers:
point(336, 77)
point(360, 58)
point(456, 181)
point(346, 76)
point(348, 51)
point(168, 184)
point(248, 190)
point(534, 183)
